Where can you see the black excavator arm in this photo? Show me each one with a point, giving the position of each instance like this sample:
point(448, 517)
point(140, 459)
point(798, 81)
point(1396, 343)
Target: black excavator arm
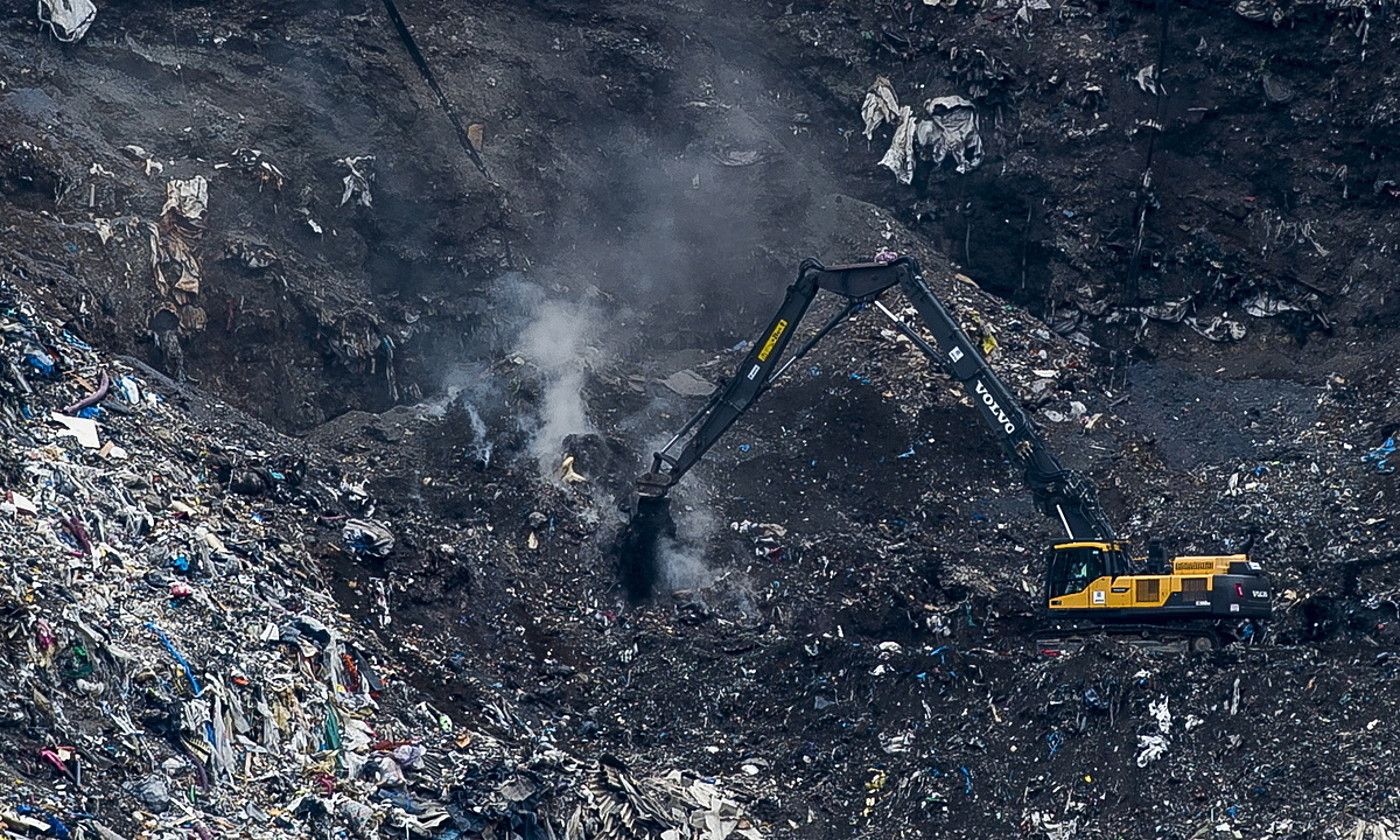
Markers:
point(858, 284)
point(1061, 493)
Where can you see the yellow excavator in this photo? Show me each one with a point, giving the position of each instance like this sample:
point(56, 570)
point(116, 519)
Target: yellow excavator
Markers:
point(1089, 576)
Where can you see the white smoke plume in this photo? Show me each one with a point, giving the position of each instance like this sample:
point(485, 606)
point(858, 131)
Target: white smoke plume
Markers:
point(558, 340)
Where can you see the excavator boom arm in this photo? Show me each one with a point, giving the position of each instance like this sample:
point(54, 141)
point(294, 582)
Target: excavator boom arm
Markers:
point(1060, 492)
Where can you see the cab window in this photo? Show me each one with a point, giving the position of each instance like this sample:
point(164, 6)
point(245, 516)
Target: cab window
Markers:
point(1073, 569)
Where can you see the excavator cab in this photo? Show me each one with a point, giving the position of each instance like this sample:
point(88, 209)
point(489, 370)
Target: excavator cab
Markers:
point(1074, 565)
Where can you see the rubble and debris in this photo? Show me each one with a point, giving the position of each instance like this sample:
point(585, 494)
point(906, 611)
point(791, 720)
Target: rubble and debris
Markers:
point(670, 807)
point(227, 687)
point(483, 681)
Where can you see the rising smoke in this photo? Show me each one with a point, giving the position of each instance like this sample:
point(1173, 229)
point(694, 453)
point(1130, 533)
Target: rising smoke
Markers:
point(470, 386)
point(681, 559)
point(669, 222)
point(554, 342)
point(558, 340)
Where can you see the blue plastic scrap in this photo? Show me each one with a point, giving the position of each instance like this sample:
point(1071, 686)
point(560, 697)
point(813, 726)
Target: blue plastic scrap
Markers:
point(75, 341)
point(176, 655)
point(1055, 740)
point(56, 826)
point(130, 389)
point(967, 780)
point(40, 361)
point(1380, 456)
point(400, 800)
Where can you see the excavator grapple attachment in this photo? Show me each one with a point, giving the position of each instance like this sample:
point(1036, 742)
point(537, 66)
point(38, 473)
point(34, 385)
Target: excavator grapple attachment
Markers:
point(638, 545)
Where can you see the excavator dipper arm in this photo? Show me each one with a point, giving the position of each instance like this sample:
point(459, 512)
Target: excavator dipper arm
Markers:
point(859, 285)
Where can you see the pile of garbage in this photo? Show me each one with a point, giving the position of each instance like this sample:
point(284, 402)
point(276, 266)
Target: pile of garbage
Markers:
point(173, 664)
point(407, 623)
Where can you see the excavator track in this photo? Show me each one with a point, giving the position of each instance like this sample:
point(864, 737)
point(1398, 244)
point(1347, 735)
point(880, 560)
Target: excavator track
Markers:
point(1182, 636)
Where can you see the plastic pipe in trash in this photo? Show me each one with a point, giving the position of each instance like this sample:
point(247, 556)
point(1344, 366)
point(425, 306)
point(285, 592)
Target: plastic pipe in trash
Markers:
point(94, 398)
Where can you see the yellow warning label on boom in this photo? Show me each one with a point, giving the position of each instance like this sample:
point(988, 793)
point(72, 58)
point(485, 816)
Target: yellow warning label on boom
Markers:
point(777, 333)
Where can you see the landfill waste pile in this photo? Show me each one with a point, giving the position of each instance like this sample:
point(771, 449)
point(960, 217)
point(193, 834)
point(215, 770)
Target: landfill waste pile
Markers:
point(335, 334)
point(174, 662)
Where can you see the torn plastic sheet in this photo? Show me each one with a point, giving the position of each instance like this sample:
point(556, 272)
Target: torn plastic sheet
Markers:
point(1150, 748)
point(172, 238)
point(899, 158)
point(1262, 11)
point(82, 428)
point(1147, 80)
point(256, 163)
point(1219, 328)
point(951, 128)
point(367, 536)
point(1023, 14)
point(68, 20)
point(1046, 824)
point(1171, 312)
point(1153, 746)
point(188, 198)
point(881, 106)
point(1264, 305)
point(358, 181)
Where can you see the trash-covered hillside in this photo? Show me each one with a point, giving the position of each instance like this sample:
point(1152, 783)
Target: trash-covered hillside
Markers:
point(335, 334)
